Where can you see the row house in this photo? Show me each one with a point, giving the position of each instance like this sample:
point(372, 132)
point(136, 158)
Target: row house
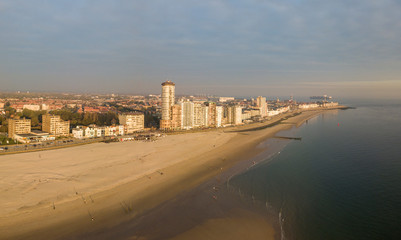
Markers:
point(308, 105)
point(278, 111)
point(95, 131)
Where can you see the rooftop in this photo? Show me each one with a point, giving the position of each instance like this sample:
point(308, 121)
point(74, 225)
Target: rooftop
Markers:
point(132, 113)
point(168, 82)
point(38, 132)
point(32, 134)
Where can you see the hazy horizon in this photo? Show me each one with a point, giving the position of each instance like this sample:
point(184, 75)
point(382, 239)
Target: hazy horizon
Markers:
point(236, 48)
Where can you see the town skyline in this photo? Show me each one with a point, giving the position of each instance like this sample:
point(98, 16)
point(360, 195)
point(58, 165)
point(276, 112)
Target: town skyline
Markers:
point(105, 117)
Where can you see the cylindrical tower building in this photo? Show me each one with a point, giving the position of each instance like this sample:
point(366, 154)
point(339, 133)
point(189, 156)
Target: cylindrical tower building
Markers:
point(168, 99)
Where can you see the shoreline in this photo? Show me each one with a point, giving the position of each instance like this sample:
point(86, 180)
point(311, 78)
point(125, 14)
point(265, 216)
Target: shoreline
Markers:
point(226, 209)
point(237, 128)
point(234, 210)
point(128, 200)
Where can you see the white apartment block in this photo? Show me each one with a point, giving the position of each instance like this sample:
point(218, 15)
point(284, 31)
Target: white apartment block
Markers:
point(187, 117)
point(219, 116)
point(232, 115)
point(237, 115)
point(200, 115)
point(262, 104)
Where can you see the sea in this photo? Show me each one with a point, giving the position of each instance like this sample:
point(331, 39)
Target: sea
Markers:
point(341, 180)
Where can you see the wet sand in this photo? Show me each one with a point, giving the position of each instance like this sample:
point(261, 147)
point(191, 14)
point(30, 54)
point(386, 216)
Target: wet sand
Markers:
point(96, 191)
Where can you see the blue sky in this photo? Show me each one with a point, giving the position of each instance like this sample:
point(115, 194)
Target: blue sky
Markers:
point(239, 48)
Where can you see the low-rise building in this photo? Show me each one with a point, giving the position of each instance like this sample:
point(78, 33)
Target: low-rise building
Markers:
point(246, 115)
point(330, 104)
point(308, 105)
point(120, 130)
point(78, 133)
point(90, 132)
point(255, 112)
point(100, 131)
point(32, 107)
point(226, 99)
point(44, 107)
point(34, 136)
point(278, 111)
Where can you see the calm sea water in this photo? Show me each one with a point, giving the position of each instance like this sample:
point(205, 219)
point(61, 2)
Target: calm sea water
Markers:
point(341, 181)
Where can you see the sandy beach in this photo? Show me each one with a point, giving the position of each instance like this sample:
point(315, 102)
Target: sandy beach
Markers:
point(88, 191)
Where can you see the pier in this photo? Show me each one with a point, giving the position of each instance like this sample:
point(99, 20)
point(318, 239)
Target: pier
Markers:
point(289, 138)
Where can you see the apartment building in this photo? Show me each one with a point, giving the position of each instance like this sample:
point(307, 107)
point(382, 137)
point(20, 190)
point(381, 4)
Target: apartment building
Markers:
point(133, 122)
point(53, 124)
point(18, 126)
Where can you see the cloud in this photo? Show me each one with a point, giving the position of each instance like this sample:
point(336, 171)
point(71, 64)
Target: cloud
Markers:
point(214, 41)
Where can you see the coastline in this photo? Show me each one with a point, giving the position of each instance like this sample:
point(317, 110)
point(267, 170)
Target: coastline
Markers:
point(212, 210)
point(134, 196)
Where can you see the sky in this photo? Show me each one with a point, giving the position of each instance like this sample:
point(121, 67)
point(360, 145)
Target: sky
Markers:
point(270, 48)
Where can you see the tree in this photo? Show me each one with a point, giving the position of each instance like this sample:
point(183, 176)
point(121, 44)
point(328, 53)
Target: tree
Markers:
point(9, 111)
point(33, 115)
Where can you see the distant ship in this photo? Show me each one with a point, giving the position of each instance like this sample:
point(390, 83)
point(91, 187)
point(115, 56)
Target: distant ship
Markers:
point(324, 97)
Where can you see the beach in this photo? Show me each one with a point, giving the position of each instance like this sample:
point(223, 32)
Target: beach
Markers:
point(91, 191)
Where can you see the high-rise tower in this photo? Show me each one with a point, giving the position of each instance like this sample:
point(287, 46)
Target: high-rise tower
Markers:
point(168, 98)
point(262, 104)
